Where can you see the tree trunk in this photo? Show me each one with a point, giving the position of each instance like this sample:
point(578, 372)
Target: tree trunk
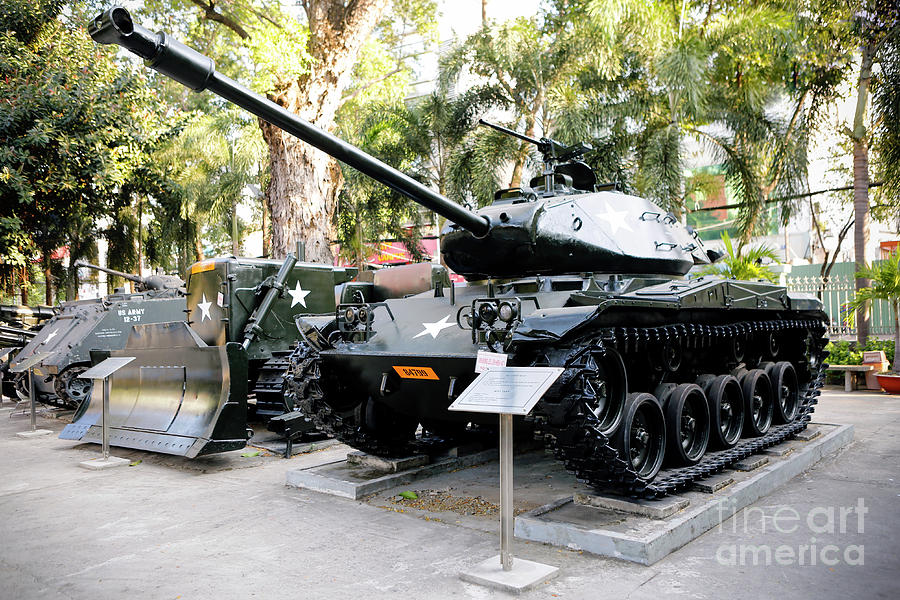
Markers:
point(24, 285)
point(302, 196)
point(140, 238)
point(861, 182)
point(896, 367)
point(265, 229)
point(484, 13)
point(198, 249)
point(524, 149)
point(48, 283)
point(303, 192)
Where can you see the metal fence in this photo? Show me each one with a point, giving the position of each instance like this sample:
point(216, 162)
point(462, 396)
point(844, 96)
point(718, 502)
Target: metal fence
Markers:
point(837, 293)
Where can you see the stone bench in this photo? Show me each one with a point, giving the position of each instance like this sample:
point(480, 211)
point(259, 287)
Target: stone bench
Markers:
point(849, 370)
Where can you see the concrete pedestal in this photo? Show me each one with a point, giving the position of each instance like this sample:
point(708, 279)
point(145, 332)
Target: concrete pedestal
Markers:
point(100, 464)
point(34, 434)
point(525, 574)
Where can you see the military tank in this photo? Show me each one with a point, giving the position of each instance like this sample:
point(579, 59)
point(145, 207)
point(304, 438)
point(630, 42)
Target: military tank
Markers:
point(659, 370)
point(18, 325)
point(95, 324)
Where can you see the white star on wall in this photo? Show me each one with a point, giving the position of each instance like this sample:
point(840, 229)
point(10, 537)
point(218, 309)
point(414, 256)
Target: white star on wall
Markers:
point(434, 328)
point(298, 294)
point(615, 219)
point(204, 309)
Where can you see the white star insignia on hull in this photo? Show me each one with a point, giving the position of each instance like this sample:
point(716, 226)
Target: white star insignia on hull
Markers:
point(204, 309)
point(434, 329)
point(298, 295)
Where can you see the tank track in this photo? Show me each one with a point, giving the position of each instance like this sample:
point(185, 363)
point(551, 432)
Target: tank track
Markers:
point(268, 387)
point(590, 455)
point(580, 446)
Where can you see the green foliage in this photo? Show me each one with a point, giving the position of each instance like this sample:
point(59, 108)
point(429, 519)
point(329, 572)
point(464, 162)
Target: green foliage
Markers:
point(74, 127)
point(885, 278)
point(212, 161)
point(657, 78)
point(842, 353)
point(524, 65)
point(850, 353)
point(743, 263)
point(886, 127)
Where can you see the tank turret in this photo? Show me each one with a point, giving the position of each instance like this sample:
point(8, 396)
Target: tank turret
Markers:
point(559, 224)
point(157, 282)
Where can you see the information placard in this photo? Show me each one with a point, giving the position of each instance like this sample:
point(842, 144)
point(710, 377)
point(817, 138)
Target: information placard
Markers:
point(507, 390)
point(107, 367)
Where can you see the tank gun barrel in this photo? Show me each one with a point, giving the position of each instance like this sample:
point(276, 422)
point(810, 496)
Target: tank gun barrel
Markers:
point(197, 72)
point(15, 311)
point(128, 276)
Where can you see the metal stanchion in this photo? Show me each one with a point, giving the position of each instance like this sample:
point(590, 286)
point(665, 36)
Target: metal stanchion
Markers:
point(31, 396)
point(100, 374)
point(507, 391)
point(105, 424)
point(27, 366)
point(506, 491)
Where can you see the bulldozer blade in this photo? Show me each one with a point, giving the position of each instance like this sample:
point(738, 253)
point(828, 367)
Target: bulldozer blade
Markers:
point(179, 396)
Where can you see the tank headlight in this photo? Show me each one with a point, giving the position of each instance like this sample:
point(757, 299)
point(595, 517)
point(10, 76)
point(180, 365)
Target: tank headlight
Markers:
point(507, 312)
point(350, 315)
point(488, 313)
point(364, 315)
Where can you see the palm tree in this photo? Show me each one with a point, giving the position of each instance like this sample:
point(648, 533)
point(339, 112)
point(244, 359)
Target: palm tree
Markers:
point(216, 157)
point(742, 262)
point(885, 285)
point(518, 64)
point(664, 76)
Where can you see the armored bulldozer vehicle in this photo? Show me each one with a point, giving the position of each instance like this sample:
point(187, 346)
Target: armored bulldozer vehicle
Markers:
point(95, 324)
point(194, 381)
point(659, 370)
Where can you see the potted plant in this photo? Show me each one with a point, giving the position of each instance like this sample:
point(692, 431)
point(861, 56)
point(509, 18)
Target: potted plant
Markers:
point(885, 286)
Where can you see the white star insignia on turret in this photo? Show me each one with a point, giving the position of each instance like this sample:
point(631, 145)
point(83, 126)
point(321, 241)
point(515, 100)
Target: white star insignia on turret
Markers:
point(50, 337)
point(615, 219)
point(434, 328)
point(204, 309)
point(298, 294)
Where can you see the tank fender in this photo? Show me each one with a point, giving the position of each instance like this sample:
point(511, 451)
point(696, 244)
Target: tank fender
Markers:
point(553, 324)
point(315, 329)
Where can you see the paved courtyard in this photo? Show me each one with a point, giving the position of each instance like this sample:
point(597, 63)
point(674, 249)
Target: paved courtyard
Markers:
point(227, 527)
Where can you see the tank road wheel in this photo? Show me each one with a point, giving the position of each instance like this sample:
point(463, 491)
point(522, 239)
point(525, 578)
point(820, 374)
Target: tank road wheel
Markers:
point(786, 391)
point(641, 440)
point(687, 425)
point(671, 355)
point(726, 409)
point(759, 405)
point(603, 389)
point(772, 346)
point(738, 349)
point(70, 389)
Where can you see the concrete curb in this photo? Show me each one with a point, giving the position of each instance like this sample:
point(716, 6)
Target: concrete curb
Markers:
point(681, 528)
point(338, 478)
